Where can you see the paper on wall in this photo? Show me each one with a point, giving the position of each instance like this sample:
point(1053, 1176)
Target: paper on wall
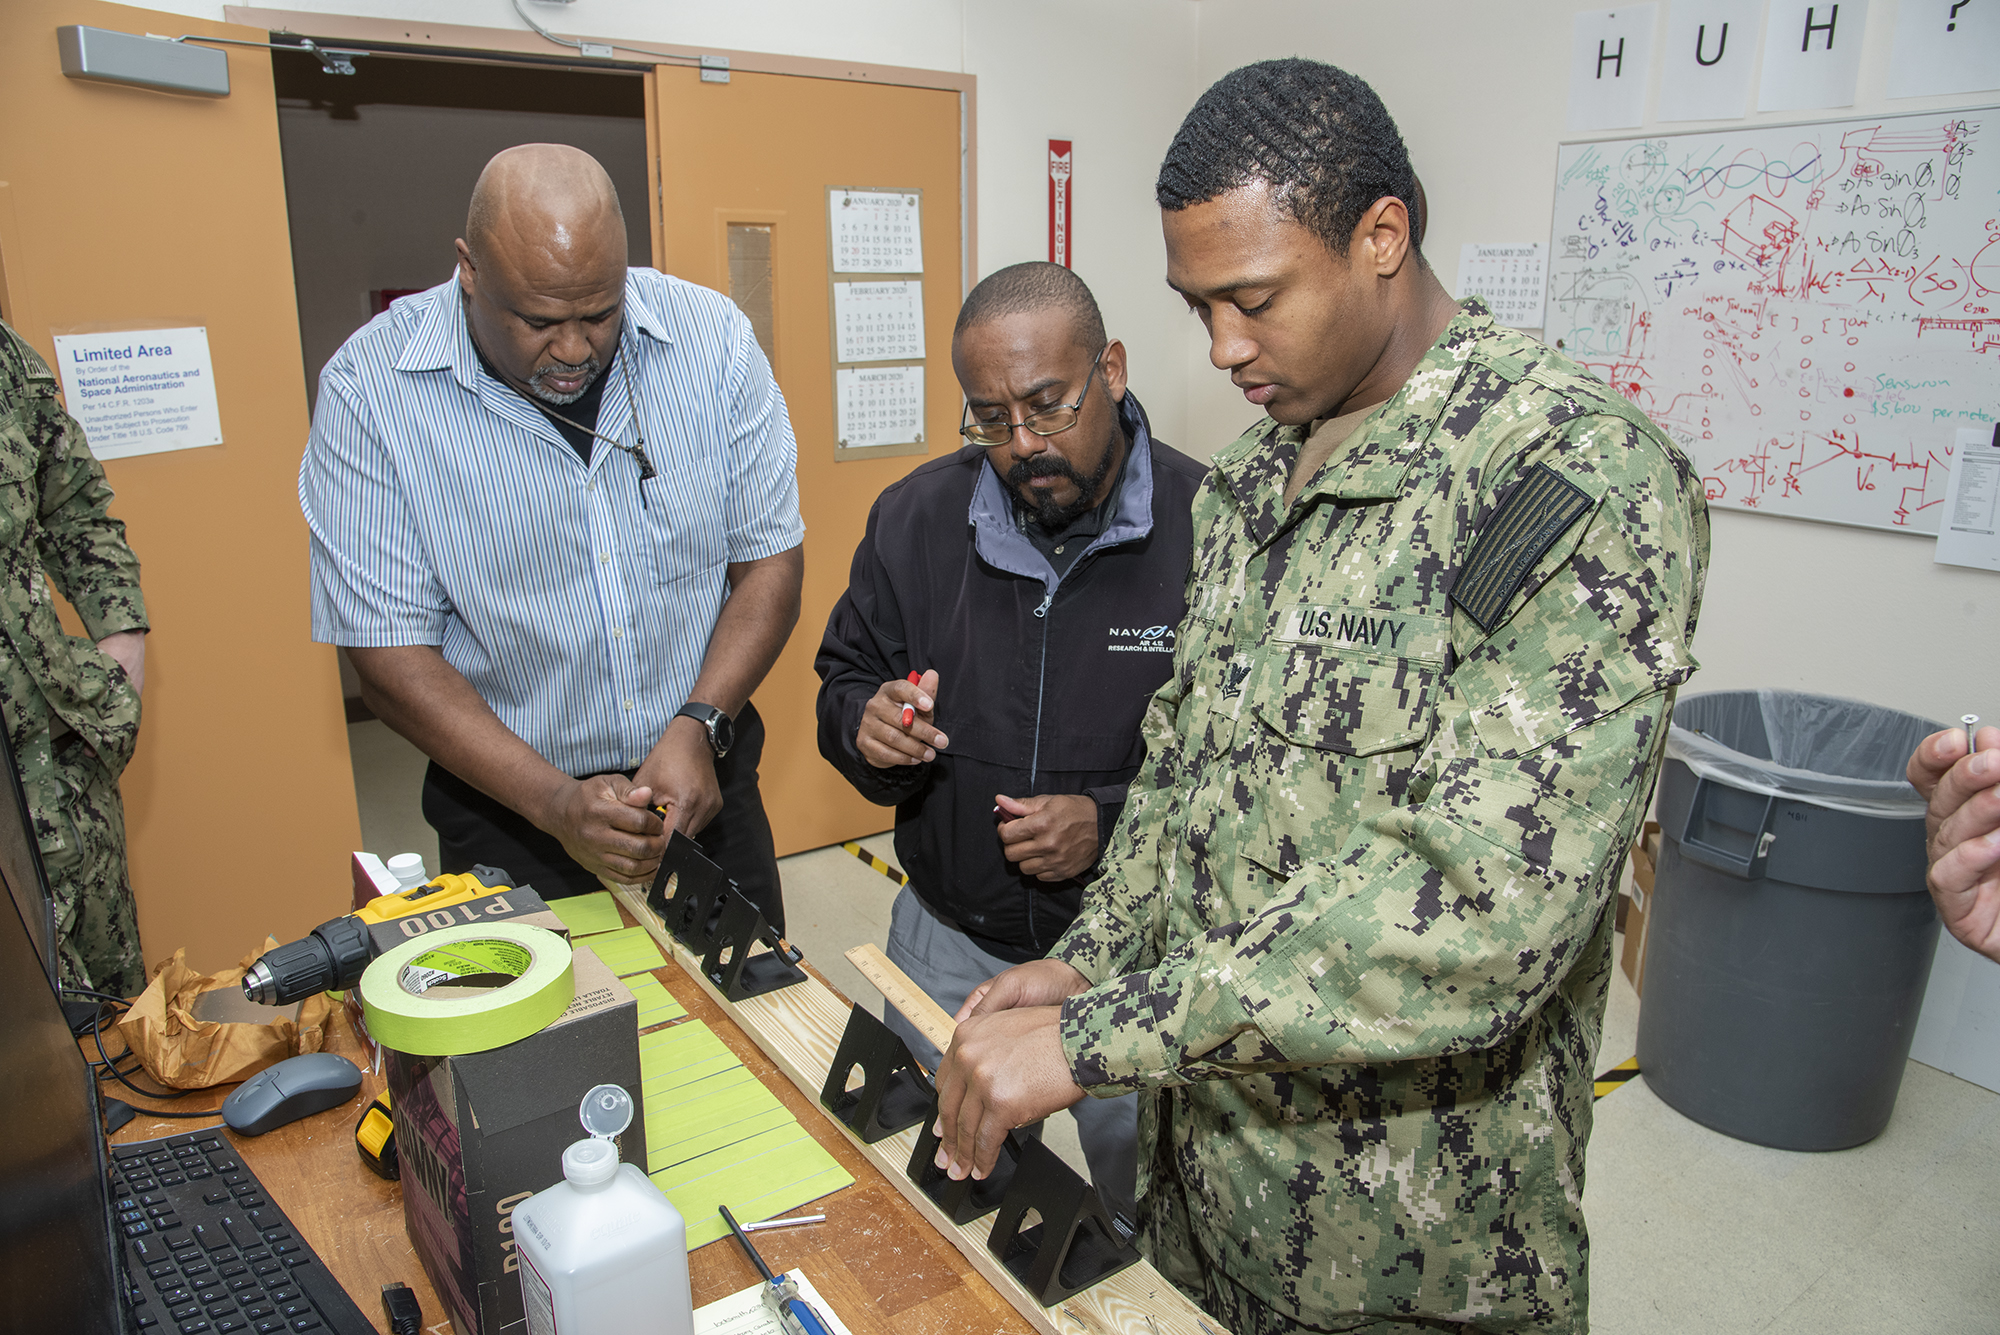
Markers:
point(879, 322)
point(1611, 57)
point(1945, 46)
point(1969, 532)
point(1710, 51)
point(879, 406)
point(142, 391)
point(875, 231)
point(1812, 54)
point(1512, 278)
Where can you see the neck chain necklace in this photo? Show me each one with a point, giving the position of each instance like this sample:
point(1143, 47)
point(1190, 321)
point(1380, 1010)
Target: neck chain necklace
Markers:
point(637, 451)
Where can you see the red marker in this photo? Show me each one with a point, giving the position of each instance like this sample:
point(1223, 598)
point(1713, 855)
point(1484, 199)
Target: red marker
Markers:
point(910, 711)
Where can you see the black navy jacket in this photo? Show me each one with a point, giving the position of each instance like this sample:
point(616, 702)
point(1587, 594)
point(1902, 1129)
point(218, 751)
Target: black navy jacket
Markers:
point(1043, 680)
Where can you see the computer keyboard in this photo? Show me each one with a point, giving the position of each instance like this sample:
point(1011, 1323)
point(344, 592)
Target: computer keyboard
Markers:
point(207, 1252)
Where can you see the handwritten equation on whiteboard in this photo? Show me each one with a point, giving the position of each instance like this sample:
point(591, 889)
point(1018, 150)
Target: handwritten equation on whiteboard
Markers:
point(1812, 311)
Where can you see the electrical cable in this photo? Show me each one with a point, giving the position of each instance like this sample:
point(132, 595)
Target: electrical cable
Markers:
point(97, 1020)
point(546, 35)
point(110, 1063)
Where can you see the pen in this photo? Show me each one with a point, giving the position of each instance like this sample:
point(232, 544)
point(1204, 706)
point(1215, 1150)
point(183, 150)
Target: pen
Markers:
point(786, 1223)
point(910, 711)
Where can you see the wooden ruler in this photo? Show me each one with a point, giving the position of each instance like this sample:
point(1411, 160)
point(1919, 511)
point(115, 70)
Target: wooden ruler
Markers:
point(911, 1002)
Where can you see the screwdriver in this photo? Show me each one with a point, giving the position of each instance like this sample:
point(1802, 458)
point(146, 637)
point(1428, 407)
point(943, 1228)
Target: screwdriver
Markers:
point(781, 1294)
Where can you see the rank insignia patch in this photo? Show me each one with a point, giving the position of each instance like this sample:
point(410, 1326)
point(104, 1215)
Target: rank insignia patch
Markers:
point(1542, 506)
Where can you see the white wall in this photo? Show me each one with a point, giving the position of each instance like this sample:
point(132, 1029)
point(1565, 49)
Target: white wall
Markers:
point(1480, 91)
point(1115, 76)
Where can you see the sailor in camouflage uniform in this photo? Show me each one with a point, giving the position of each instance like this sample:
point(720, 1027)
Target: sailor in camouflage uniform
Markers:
point(71, 706)
point(1355, 932)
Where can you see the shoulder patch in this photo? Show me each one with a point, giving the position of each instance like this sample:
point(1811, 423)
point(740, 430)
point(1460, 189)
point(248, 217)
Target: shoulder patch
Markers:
point(1542, 506)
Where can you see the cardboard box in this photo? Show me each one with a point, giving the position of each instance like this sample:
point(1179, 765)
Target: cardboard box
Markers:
point(1645, 860)
point(480, 1133)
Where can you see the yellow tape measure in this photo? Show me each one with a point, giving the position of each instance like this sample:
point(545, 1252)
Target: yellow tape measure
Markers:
point(375, 1139)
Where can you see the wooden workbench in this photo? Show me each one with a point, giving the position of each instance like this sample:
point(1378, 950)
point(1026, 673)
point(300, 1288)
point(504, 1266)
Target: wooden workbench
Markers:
point(881, 1266)
point(799, 1027)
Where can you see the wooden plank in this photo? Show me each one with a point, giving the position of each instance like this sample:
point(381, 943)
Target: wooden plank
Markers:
point(910, 1001)
point(799, 1027)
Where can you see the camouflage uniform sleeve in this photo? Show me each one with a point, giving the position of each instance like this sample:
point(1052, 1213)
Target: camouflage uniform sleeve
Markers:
point(1442, 925)
point(83, 549)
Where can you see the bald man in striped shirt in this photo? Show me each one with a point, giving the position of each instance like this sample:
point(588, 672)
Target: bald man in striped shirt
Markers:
point(554, 515)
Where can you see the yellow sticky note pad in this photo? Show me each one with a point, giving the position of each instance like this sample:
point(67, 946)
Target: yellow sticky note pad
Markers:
point(656, 1004)
point(627, 951)
point(587, 914)
point(765, 1175)
point(716, 1136)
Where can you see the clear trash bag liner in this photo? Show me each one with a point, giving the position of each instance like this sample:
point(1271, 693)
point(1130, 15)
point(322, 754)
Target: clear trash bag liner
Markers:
point(1843, 755)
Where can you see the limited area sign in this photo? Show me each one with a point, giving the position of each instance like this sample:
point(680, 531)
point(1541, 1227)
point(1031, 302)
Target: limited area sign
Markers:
point(141, 391)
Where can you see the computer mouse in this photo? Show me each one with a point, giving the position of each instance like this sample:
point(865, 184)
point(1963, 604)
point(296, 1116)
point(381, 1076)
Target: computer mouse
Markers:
point(294, 1088)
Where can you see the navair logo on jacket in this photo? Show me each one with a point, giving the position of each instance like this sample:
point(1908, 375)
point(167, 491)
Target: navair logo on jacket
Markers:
point(1140, 639)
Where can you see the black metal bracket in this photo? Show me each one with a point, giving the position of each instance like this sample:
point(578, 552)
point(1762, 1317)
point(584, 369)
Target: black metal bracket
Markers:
point(895, 1093)
point(966, 1199)
point(1076, 1244)
point(706, 913)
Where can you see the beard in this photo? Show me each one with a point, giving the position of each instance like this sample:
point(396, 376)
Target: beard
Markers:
point(589, 369)
point(1045, 510)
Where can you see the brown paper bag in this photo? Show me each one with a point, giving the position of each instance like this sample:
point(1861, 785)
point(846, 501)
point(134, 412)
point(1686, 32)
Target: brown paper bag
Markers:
point(186, 1031)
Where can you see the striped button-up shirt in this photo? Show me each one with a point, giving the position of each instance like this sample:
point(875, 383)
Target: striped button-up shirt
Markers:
point(446, 510)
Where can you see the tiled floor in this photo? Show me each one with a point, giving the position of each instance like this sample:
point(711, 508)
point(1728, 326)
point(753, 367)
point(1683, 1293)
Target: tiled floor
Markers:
point(1691, 1231)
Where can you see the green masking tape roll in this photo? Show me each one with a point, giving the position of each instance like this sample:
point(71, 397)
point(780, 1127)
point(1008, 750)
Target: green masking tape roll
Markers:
point(467, 988)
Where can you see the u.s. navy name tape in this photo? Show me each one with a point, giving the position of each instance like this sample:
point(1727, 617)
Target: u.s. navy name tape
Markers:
point(418, 997)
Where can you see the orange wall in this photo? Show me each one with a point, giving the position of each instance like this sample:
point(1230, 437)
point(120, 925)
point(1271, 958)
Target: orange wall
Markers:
point(764, 148)
point(122, 204)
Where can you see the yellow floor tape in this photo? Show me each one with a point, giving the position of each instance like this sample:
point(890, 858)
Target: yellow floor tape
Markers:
point(1615, 1077)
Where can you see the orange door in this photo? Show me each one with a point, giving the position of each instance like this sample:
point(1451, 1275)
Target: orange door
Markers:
point(762, 150)
point(122, 208)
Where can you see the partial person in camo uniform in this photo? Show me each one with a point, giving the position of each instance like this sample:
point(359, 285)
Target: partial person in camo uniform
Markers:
point(1354, 935)
point(71, 705)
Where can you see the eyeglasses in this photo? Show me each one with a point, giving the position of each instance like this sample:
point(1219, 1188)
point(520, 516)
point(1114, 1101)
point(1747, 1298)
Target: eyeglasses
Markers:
point(1048, 422)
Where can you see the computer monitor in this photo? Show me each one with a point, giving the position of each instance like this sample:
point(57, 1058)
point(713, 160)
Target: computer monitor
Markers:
point(21, 863)
point(60, 1267)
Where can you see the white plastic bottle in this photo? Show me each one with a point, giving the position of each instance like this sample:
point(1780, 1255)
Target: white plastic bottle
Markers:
point(603, 1252)
point(408, 869)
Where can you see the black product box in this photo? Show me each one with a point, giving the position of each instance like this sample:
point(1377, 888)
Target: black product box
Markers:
point(478, 1134)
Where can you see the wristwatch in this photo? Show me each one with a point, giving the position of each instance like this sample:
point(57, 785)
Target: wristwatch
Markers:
point(721, 730)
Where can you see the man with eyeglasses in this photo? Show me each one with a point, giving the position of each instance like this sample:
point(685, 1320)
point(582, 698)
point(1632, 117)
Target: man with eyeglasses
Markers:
point(555, 520)
point(1030, 584)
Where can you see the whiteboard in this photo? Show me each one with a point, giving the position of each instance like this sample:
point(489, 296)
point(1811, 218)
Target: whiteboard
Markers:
point(1812, 311)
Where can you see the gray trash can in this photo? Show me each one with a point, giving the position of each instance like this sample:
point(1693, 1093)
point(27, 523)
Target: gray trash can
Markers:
point(1792, 934)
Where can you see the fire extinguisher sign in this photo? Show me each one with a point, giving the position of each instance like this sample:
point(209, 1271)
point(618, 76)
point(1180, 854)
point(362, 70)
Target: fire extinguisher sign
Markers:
point(1060, 231)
